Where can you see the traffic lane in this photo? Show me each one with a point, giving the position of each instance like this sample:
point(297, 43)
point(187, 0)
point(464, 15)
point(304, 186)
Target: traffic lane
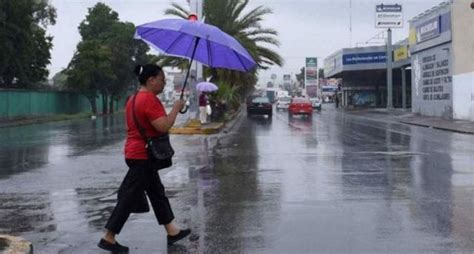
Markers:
point(29, 147)
point(62, 203)
point(25, 148)
point(258, 190)
point(370, 184)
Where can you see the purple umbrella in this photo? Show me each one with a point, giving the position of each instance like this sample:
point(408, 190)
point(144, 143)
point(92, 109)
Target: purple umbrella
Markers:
point(195, 40)
point(206, 87)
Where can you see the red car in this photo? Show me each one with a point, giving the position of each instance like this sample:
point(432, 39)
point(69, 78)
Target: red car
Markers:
point(300, 106)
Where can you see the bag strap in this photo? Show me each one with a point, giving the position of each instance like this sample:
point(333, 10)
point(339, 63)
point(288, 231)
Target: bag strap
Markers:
point(140, 128)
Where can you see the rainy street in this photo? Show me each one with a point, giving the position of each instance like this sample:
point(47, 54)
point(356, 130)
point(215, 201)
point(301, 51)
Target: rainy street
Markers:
point(332, 183)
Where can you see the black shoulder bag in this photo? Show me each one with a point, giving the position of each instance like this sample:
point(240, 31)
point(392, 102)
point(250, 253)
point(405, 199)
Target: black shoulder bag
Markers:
point(159, 148)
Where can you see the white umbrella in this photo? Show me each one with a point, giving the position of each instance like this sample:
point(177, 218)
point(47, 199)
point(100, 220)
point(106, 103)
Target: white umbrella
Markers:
point(206, 87)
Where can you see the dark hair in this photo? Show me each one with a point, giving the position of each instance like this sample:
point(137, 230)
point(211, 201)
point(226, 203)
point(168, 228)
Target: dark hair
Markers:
point(144, 72)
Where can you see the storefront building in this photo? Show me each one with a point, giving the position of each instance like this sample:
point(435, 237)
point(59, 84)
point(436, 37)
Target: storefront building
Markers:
point(442, 60)
point(363, 73)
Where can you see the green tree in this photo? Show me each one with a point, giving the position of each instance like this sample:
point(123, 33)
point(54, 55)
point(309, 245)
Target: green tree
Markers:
point(25, 45)
point(106, 69)
point(300, 76)
point(126, 52)
point(321, 73)
point(245, 26)
point(59, 80)
point(89, 69)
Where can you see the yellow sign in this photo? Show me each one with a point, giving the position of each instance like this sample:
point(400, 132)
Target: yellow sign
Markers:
point(400, 53)
point(412, 36)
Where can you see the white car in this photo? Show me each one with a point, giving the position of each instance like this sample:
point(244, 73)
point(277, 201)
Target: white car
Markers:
point(316, 102)
point(283, 102)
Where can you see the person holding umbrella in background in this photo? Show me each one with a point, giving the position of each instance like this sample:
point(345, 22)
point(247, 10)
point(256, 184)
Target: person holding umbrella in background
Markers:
point(203, 102)
point(204, 106)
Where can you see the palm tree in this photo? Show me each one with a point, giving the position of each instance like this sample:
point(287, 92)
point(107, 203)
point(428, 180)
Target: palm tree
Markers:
point(245, 27)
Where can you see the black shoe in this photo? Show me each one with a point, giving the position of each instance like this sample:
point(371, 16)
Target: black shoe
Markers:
point(182, 234)
point(114, 248)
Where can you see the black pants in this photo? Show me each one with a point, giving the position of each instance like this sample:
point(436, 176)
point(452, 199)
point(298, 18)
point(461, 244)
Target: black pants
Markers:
point(141, 178)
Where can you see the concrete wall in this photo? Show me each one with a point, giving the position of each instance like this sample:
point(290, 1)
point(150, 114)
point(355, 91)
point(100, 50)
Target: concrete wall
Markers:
point(432, 82)
point(432, 62)
point(462, 17)
point(333, 64)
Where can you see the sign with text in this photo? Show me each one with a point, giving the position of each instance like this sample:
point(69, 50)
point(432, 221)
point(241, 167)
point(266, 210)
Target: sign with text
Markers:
point(388, 16)
point(312, 62)
point(400, 53)
point(432, 75)
point(364, 58)
point(428, 30)
point(311, 71)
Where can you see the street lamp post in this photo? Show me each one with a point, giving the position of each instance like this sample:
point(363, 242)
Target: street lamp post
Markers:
point(197, 69)
point(389, 69)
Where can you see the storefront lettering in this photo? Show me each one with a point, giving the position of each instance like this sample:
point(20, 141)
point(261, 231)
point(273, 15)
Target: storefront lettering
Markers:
point(435, 75)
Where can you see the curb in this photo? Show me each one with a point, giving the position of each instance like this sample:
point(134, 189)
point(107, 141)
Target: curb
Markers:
point(193, 127)
point(437, 127)
point(15, 245)
point(403, 120)
point(196, 130)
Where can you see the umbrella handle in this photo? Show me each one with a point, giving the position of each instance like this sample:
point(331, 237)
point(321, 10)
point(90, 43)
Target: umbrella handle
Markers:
point(184, 110)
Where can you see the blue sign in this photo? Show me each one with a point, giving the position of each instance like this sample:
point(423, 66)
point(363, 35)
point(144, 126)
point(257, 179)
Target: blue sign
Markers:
point(433, 27)
point(388, 8)
point(364, 58)
point(428, 30)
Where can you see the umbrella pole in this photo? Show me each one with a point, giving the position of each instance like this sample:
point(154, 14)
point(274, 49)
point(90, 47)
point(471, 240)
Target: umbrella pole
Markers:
point(189, 68)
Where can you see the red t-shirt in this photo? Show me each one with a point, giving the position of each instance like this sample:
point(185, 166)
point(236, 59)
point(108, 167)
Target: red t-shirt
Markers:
point(147, 109)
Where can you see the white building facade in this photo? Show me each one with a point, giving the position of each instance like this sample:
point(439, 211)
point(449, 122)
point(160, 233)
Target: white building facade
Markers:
point(442, 59)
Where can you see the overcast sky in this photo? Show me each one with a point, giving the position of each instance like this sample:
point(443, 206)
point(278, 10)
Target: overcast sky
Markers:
point(307, 28)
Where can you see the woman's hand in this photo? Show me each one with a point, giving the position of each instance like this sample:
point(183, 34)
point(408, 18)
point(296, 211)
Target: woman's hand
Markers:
point(163, 124)
point(179, 105)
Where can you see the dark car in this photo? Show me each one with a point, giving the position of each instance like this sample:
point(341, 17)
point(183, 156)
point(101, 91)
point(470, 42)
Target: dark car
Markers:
point(259, 106)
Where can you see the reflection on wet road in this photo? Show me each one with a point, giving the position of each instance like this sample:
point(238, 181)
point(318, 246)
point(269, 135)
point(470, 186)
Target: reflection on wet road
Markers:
point(334, 183)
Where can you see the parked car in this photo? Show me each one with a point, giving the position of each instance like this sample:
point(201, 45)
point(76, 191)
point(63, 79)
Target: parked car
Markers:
point(316, 102)
point(283, 102)
point(259, 106)
point(300, 106)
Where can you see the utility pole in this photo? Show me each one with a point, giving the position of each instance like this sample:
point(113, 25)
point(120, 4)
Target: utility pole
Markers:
point(389, 16)
point(404, 88)
point(389, 70)
point(350, 23)
point(196, 68)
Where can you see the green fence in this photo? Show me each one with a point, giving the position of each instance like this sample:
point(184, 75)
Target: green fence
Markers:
point(25, 103)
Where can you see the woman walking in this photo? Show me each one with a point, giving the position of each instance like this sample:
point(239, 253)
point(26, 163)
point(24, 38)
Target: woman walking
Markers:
point(142, 176)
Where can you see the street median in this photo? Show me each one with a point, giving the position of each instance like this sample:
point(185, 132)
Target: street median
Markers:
point(194, 127)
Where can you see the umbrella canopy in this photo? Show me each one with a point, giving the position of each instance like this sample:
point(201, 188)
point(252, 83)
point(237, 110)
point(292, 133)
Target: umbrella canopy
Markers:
point(202, 42)
point(206, 87)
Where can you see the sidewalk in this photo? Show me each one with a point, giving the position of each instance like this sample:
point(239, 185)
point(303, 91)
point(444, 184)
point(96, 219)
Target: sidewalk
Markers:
point(14, 245)
point(407, 117)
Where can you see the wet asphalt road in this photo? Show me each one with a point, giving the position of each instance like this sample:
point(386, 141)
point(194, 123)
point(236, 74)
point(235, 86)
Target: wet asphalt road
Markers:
point(333, 183)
